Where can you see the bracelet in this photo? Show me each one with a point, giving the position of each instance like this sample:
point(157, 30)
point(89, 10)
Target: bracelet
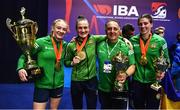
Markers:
point(126, 74)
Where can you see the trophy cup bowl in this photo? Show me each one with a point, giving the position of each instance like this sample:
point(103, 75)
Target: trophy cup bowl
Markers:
point(120, 63)
point(24, 32)
point(160, 65)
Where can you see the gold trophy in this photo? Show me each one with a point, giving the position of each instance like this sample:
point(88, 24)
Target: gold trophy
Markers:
point(160, 65)
point(121, 64)
point(24, 33)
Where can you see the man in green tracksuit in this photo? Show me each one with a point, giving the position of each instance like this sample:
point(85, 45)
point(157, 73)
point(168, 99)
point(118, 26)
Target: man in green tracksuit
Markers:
point(106, 51)
point(81, 55)
point(147, 47)
point(49, 52)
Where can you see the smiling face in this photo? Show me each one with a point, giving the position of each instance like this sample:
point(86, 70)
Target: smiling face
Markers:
point(112, 31)
point(145, 23)
point(59, 29)
point(82, 28)
point(145, 26)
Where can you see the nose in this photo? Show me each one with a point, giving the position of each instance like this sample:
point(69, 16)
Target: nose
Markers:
point(83, 29)
point(143, 25)
point(61, 30)
point(113, 30)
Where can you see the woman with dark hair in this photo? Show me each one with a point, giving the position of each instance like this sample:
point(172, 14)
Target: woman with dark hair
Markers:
point(147, 47)
point(81, 56)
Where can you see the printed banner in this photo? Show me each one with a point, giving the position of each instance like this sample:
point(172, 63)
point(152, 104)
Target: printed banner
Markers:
point(125, 11)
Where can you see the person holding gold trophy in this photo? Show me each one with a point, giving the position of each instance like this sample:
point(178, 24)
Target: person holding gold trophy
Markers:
point(24, 32)
point(114, 45)
point(81, 56)
point(49, 52)
point(147, 47)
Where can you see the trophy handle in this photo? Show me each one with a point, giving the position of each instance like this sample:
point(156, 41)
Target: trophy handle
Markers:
point(9, 25)
point(22, 12)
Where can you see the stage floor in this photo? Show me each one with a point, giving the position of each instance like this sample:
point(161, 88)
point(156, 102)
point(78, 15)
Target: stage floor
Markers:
point(20, 96)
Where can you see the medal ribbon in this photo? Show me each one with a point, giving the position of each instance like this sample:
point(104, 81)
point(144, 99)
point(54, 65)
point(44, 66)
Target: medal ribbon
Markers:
point(143, 47)
point(79, 47)
point(57, 53)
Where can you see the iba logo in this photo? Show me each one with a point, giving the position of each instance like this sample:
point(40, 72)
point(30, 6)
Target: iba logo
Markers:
point(159, 10)
point(116, 11)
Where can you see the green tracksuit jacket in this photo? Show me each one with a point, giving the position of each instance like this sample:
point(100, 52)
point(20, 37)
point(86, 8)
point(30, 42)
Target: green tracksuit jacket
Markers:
point(45, 57)
point(147, 73)
point(106, 80)
point(86, 69)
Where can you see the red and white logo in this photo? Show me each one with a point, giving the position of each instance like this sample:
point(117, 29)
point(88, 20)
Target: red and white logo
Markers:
point(159, 10)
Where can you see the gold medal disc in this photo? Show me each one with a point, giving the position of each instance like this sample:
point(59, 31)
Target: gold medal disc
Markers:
point(143, 60)
point(57, 66)
point(81, 55)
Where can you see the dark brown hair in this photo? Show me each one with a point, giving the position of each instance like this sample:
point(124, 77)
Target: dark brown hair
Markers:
point(148, 16)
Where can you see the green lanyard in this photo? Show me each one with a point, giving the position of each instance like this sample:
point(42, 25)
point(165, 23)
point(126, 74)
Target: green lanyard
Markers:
point(109, 52)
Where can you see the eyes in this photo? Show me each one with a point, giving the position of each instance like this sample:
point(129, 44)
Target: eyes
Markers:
point(61, 28)
point(112, 28)
point(143, 23)
point(83, 27)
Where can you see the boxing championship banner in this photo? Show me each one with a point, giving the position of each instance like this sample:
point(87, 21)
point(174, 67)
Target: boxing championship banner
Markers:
point(125, 11)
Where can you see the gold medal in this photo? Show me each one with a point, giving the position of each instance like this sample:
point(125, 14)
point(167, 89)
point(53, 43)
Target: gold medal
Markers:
point(144, 49)
point(143, 60)
point(58, 53)
point(81, 55)
point(57, 66)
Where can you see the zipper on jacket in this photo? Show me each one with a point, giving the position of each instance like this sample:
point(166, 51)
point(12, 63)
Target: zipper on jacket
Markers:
point(54, 79)
point(144, 73)
point(87, 62)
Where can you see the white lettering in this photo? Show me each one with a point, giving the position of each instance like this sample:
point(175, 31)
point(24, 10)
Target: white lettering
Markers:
point(122, 10)
point(115, 10)
point(133, 11)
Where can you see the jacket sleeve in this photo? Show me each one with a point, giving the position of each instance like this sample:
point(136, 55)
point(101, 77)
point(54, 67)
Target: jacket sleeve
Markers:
point(165, 51)
point(99, 38)
point(69, 54)
point(21, 62)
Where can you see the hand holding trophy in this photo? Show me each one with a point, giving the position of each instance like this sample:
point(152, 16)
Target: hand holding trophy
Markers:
point(121, 64)
point(160, 65)
point(24, 33)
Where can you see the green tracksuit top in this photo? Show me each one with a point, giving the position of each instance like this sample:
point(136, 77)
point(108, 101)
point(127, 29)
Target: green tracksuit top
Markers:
point(45, 55)
point(86, 69)
point(106, 80)
point(147, 73)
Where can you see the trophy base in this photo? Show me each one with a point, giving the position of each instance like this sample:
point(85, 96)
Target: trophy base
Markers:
point(120, 100)
point(156, 86)
point(35, 73)
point(120, 95)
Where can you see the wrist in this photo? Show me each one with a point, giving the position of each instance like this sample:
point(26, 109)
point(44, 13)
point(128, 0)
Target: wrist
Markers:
point(72, 63)
point(127, 75)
